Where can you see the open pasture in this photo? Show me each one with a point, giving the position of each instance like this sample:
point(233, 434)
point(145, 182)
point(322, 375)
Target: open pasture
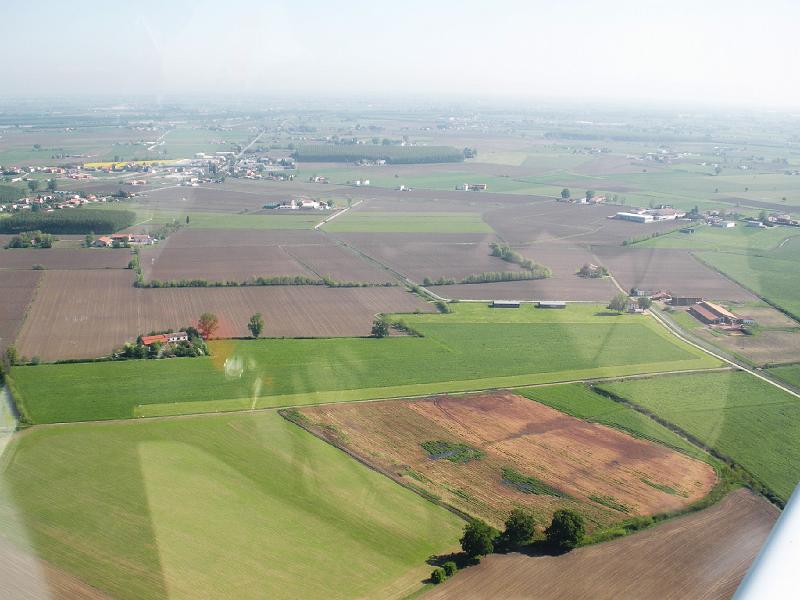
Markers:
point(17, 259)
point(752, 422)
point(664, 269)
point(150, 510)
point(84, 314)
point(16, 290)
point(472, 348)
point(701, 555)
point(572, 461)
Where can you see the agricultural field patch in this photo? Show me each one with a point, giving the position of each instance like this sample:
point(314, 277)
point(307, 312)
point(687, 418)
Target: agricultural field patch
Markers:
point(64, 258)
point(527, 454)
point(472, 348)
point(744, 418)
point(707, 554)
point(17, 290)
point(84, 314)
point(355, 221)
point(673, 270)
point(290, 504)
point(789, 373)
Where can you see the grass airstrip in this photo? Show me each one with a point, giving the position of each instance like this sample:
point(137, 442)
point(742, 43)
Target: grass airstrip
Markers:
point(474, 347)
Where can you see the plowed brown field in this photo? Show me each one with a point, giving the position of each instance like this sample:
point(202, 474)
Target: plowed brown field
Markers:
point(583, 461)
point(702, 556)
point(65, 258)
point(83, 314)
point(16, 292)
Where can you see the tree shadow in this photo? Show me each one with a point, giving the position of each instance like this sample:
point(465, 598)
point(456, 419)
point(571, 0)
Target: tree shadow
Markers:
point(607, 313)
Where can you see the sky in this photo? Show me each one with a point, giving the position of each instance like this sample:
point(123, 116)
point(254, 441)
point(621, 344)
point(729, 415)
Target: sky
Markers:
point(709, 52)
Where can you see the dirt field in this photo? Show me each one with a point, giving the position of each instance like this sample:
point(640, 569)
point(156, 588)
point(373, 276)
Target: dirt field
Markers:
point(239, 255)
point(578, 224)
point(673, 270)
point(65, 258)
point(16, 290)
point(26, 577)
point(702, 556)
point(82, 314)
point(421, 255)
point(597, 470)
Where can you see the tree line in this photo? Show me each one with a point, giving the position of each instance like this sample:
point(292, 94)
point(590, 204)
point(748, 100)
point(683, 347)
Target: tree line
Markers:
point(505, 252)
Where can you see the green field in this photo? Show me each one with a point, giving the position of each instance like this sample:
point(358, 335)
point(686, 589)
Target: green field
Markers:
point(580, 401)
point(775, 279)
point(244, 506)
point(376, 222)
point(474, 347)
point(752, 422)
point(738, 239)
point(790, 374)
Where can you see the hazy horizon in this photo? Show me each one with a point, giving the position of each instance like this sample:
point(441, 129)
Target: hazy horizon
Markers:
point(717, 53)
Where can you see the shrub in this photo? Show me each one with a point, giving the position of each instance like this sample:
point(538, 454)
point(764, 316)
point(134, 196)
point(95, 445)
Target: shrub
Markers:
point(478, 539)
point(450, 568)
point(438, 575)
point(520, 527)
point(566, 529)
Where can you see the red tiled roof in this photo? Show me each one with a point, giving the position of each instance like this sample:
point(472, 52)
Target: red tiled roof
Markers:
point(149, 339)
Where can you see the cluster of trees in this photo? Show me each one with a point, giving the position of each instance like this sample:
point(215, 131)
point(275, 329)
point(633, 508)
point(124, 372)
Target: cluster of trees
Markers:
point(389, 153)
point(592, 271)
point(618, 303)
point(69, 221)
point(32, 239)
point(505, 252)
point(565, 532)
point(195, 346)
point(256, 325)
point(380, 327)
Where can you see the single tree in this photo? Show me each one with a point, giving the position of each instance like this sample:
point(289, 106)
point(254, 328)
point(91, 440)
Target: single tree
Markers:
point(589, 195)
point(51, 184)
point(644, 302)
point(33, 185)
point(438, 575)
point(187, 219)
point(618, 303)
point(478, 539)
point(520, 527)
point(380, 328)
point(450, 568)
point(207, 324)
point(256, 325)
point(565, 193)
point(566, 529)
point(11, 355)
point(88, 240)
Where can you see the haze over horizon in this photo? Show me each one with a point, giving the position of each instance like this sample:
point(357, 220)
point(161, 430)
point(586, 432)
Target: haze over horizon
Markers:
point(723, 53)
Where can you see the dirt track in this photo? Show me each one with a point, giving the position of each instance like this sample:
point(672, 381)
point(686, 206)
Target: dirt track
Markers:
point(702, 556)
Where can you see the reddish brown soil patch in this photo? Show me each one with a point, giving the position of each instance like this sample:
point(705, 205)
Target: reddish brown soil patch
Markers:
point(583, 461)
point(701, 556)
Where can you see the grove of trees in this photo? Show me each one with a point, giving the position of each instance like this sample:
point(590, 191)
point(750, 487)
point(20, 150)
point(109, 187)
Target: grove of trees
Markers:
point(618, 302)
point(74, 221)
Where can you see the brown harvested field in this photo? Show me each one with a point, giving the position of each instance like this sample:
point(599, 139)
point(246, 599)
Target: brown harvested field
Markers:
point(548, 221)
point(26, 577)
point(65, 258)
point(583, 461)
point(563, 260)
point(238, 255)
point(339, 263)
point(434, 255)
point(17, 289)
point(702, 556)
point(666, 269)
point(83, 314)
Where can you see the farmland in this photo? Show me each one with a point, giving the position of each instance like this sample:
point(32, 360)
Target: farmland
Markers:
point(742, 417)
point(17, 290)
point(706, 555)
point(355, 221)
point(118, 505)
point(568, 458)
point(90, 313)
point(64, 258)
point(673, 270)
point(472, 348)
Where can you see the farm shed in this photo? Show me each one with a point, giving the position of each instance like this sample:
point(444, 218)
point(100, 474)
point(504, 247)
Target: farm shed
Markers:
point(684, 300)
point(505, 304)
point(552, 304)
